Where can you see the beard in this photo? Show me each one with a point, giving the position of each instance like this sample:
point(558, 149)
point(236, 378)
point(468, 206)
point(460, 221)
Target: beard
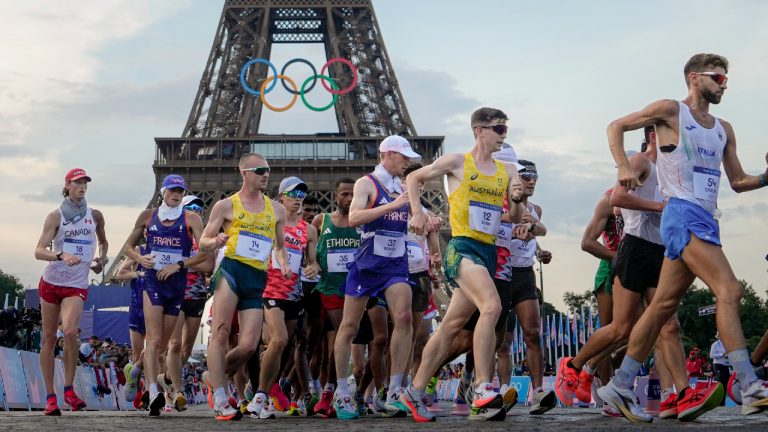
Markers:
point(711, 97)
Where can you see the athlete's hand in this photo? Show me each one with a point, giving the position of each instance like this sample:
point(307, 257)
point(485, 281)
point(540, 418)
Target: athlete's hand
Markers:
point(70, 260)
point(523, 231)
point(434, 222)
point(147, 261)
point(167, 271)
point(436, 260)
point(311, 271)
point(544, 256)
point(401, 200)
point(286, 271)
point(221, 239)
point(98, 265)
point(418, 223)
point(517, 188)
point(628, 178)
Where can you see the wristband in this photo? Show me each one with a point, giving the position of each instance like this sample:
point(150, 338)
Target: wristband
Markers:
point(58, 256)
point(533, 226)
point(763, 181)
point(181, 265)
point(517, 201)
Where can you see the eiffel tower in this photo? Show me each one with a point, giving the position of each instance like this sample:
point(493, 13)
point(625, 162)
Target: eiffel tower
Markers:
point(224, 120)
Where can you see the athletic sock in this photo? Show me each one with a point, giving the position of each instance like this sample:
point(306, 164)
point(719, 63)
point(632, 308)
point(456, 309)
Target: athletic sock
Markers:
point(316, 386)
point(51, 396)
point(219, 395)
point(329, 387)
point(153, 391)
point(68, 389)
point(589, 370)
point(342, 387)
point(395, 381)
point(625, 375)
point(742, 366)
point(416, 393)
point(666, 393)
point(570, 365)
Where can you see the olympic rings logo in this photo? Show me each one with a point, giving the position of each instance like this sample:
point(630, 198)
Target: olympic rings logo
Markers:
point(303, 90)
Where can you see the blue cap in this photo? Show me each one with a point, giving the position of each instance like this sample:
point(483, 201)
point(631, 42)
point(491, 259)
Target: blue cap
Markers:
point(174, 181)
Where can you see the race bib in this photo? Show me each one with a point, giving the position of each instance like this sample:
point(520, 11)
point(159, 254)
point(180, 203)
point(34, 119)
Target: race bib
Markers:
point(79, 248)
point(389, 244)
point(166, 256)
point(338, 259)
point(253, 246)
point(415, 254)
point(706, 183)
point(294, 259)
point(484, 217)
point(504, 236)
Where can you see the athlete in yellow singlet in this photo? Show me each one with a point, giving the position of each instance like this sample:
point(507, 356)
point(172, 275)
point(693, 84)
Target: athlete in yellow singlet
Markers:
point(477, 186)
point(250, 221)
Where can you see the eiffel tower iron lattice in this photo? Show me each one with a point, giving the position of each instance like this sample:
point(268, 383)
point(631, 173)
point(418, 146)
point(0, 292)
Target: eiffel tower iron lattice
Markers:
point(224, 120)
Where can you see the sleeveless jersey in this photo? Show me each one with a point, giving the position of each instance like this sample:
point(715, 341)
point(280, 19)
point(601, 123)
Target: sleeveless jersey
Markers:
point(382, 242)
point(475, 206)
point(169, 244)
point(503, 245)
point(278, 287)
point(78, 239)
point(196, 289)
point(418, 254)
point(336, 248)
point(613, 230)
point(645, 224)
point(523, 252)
point(251, 234)
point(691, 171)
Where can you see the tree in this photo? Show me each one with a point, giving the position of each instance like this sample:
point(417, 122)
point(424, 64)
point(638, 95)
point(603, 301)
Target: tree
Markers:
point(10, 284)
point(575, 301)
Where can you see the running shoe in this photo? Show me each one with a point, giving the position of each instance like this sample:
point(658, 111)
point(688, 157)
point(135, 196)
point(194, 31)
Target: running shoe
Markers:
point(323, 407)
point(696, 402)
point(310, 400)
point(285, 386)
point(668, 407)
point(345, 408)
point(734, 388)
point(74, 402)
point(567, 382)
point(131, 384)
point(379, 403)
point(509, 398)
point(257, 404)
point(417, 407)
point(144, 401)
point(180, 402)
point(625, 401)
point(268, 412)
point(755, 398)
point(156, 404)
point(487, 414)
point(486, 397)
point(243, 407)
point(293, 411)
point(393, 405)
point(542, 402)
point(210, 390)
point(584, 388)
point(165, 383)
point(223, 411)
point(430, 391)
point(52, 407)
point(282, 403)
point(609, 411)
point(168, 407)
point(362, 407)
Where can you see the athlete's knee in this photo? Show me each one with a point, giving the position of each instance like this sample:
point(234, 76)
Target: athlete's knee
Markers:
point(174, 346)
point(403, 318)
point(731, 296)
point(531, 336)
point(221, 334)
point(491, 310)
point(620, 330)
point(48, 340)
point(503, 349)
point(70, 334)
point(671, 328)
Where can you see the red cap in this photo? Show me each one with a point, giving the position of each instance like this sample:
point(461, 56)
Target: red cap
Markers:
point(74, 174)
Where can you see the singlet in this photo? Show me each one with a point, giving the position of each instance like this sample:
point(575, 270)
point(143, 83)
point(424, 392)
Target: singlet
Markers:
point(503, 246)
point(196, 289)
point(382, 242)
point(475, 206)
point(336, 248)
point(691, 171)
point(278, 287)
point(251, 234)
point(169, 244)
point(613, 230)
point(523, 252)
point(418, 253)
point(78, 239)
point(645, 224)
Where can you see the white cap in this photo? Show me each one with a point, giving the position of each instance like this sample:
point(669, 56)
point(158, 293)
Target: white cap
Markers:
point(398, 144)
point(507, 155)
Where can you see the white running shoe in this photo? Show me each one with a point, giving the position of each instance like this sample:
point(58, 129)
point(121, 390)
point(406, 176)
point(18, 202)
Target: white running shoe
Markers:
point(755, 398)
point(542, 402)
point(625, 401)
point(257, 404)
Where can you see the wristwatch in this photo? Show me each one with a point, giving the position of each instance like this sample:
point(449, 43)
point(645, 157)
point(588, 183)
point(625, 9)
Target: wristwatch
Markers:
point(58, 256)
point(181, 265)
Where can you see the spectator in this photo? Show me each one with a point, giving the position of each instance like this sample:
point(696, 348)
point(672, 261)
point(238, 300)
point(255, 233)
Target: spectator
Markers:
point(694, 364)
point(88, 350)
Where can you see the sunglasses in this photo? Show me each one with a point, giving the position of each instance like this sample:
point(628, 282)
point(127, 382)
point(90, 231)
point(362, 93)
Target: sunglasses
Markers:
point(720, 79)
point(298, 194)
point(197, 208)
point(499, 129)
point(528, 176)
point(259, 170)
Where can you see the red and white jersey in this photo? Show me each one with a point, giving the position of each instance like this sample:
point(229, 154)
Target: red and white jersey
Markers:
point(78, 239)
point(278, 287)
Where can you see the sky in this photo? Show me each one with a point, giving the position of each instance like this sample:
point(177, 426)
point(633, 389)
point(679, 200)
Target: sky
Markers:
point(91, 86)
